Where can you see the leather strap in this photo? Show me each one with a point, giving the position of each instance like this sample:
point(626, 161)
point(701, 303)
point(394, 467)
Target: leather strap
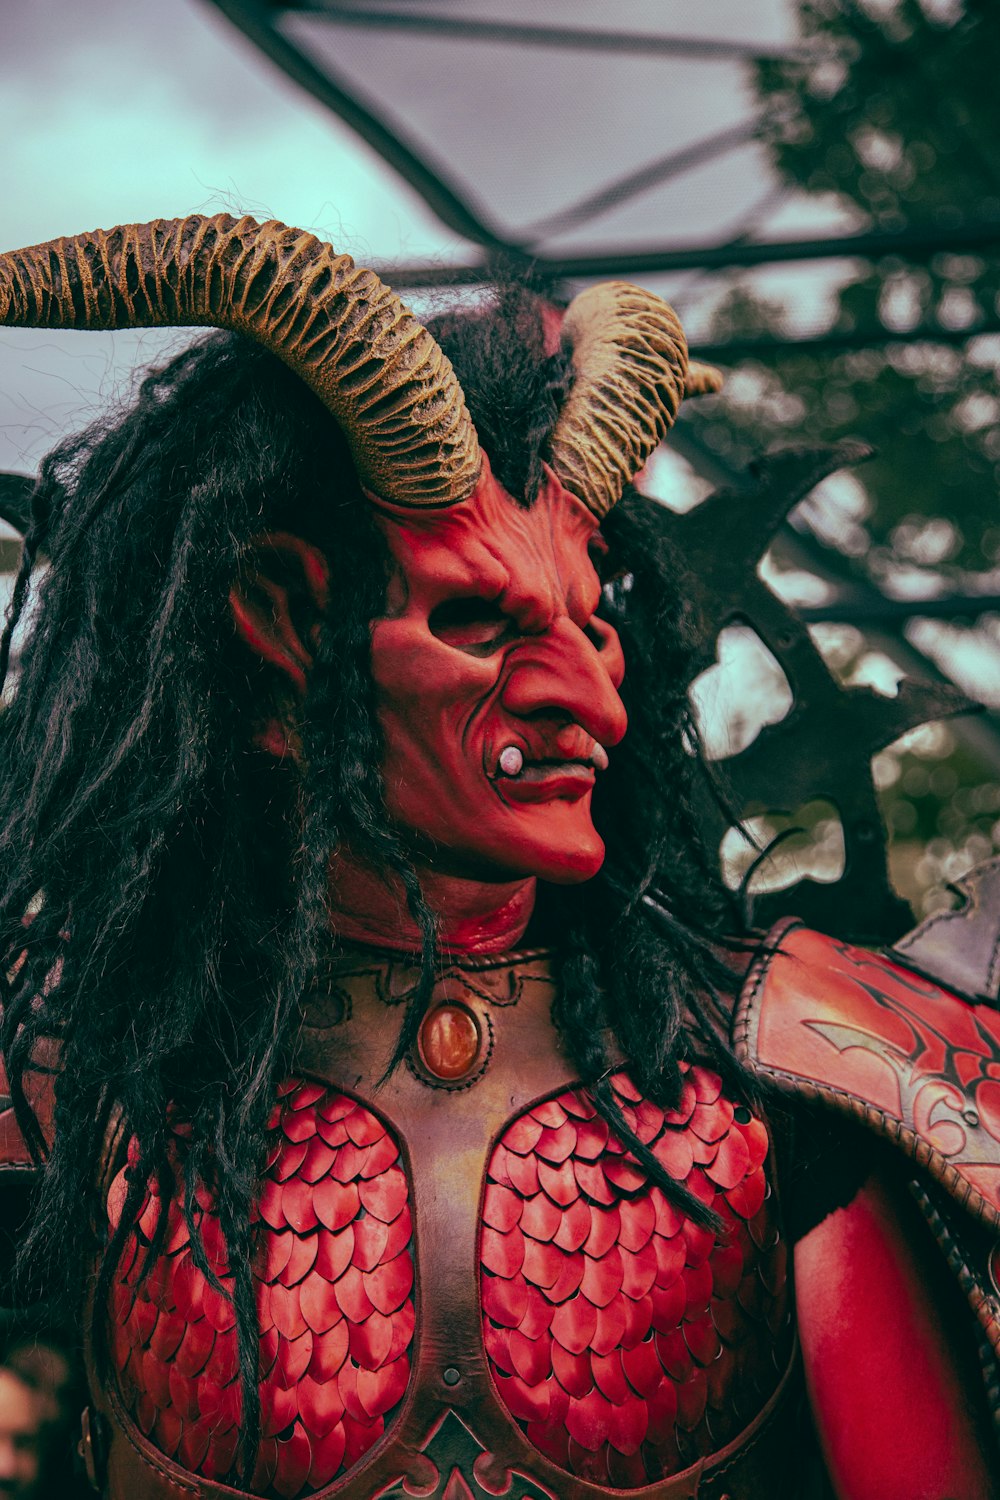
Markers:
point(961, 949)
point(39, 1088)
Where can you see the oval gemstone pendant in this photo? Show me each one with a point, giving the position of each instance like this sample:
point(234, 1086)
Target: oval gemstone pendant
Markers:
point(449, 1041)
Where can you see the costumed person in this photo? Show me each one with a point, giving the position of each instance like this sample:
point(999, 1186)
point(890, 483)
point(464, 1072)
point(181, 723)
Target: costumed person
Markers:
point(370, 996)
point(22, 1427)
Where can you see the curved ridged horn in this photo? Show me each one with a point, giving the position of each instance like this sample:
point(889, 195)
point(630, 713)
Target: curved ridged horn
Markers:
point(392, 390)
point(632, 372)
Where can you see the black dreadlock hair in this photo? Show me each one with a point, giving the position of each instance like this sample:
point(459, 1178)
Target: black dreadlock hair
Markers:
point(176, 875)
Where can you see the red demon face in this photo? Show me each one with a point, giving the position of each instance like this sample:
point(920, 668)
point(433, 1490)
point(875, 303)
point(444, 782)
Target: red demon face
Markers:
point(497, 685)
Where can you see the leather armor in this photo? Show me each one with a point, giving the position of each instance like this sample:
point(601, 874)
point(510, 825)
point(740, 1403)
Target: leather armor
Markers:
point(889, 1047)
point(465, 1286)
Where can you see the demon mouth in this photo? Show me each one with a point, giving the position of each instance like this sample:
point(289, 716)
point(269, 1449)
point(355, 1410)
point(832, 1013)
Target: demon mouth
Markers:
point(513, 766)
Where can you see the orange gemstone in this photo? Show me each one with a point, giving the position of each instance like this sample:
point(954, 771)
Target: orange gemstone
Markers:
point(449, 1042)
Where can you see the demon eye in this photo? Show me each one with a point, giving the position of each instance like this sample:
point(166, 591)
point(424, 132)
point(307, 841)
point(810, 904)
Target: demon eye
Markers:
point(477, 626)
point(608, 567)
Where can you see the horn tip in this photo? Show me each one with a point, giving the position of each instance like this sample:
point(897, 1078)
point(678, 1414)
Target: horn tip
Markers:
point(703, 380)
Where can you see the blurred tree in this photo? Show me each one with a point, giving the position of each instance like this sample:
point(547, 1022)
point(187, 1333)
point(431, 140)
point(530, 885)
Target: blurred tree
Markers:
point(893, 111)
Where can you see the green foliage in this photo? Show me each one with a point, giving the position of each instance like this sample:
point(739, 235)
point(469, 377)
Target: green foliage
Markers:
point(892, 112)
point(896, 113)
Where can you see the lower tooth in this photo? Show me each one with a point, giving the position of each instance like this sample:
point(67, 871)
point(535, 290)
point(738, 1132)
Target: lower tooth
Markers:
point(511, 761)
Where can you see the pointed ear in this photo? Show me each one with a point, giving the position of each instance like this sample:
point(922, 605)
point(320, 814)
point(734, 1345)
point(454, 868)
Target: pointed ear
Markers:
point(276, 602)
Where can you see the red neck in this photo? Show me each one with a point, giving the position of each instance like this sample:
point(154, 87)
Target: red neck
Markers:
point(475, 916)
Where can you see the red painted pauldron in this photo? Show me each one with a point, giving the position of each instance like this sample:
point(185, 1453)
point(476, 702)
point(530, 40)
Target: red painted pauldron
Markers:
point(888, 1047)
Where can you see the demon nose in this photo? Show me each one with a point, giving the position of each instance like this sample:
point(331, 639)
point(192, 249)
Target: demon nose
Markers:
point(564, 671)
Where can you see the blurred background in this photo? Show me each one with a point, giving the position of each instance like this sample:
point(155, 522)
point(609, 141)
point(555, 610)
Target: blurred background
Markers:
point(814, 184)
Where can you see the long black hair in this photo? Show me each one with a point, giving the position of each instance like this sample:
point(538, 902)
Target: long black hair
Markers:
point(163, 884)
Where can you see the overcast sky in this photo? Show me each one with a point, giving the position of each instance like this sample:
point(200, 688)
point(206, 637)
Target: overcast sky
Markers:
point(114, 111)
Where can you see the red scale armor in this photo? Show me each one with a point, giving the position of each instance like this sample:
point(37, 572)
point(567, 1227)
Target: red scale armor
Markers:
point(333, 1278)
point(621, 1334)
point(626, 1340)
point(607, 1341)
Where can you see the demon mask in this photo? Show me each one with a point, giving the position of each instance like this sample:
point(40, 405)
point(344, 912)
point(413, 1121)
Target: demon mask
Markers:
point(496, 681)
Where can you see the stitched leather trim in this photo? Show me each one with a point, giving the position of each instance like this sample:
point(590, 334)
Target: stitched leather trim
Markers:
point(968, 1257)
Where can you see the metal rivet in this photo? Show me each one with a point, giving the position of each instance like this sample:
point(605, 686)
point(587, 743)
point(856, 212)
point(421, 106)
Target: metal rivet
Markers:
point(451, 1376)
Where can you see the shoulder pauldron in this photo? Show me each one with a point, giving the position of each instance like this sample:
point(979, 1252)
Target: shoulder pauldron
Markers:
point(822, 1019)
point(915, 1062)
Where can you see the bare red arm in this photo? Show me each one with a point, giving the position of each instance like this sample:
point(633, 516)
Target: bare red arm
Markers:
point(890, 1358)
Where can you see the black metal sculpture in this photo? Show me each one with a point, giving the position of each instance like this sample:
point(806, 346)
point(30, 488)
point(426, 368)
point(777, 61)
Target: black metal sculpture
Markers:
point(823, 747)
